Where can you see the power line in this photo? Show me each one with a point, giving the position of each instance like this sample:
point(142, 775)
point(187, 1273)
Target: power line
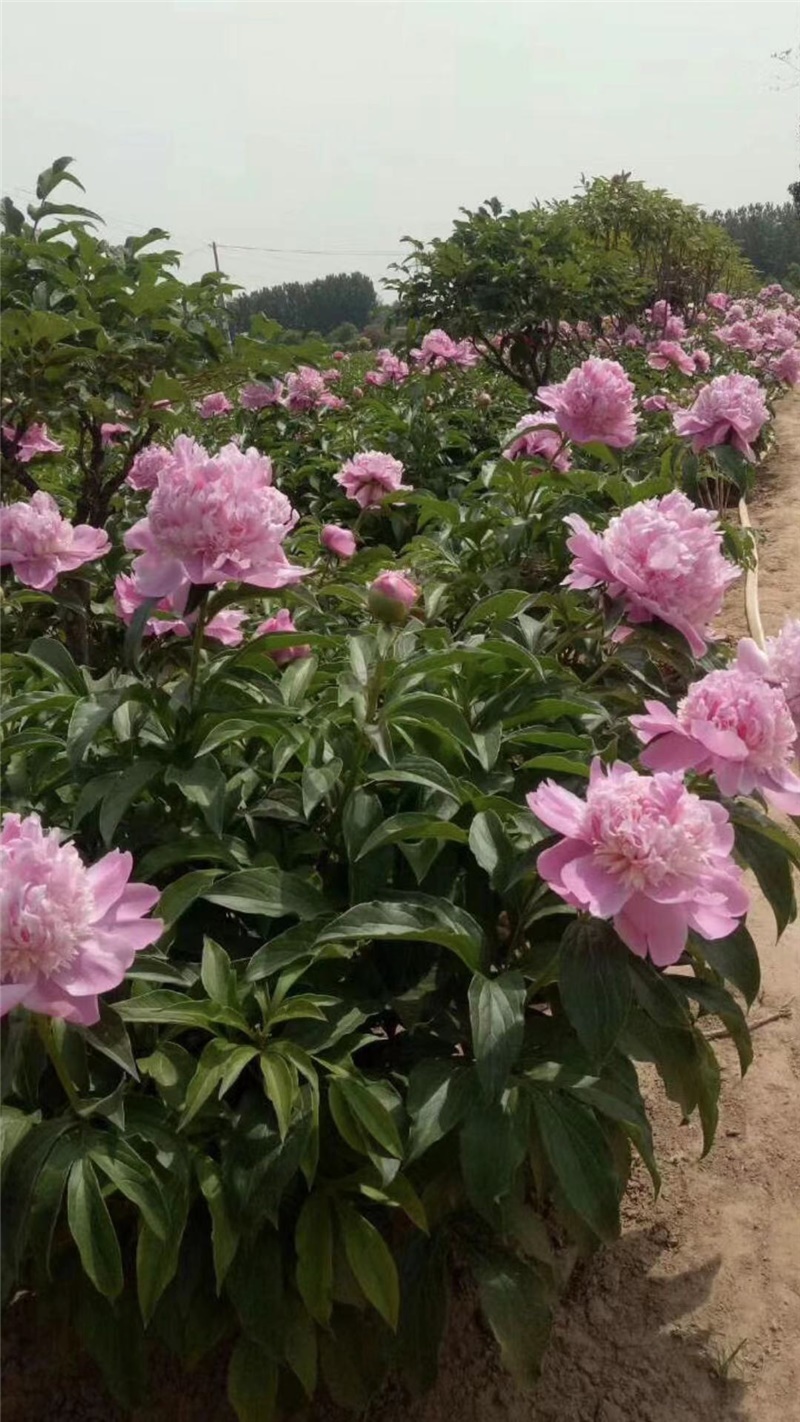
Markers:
point(306, 251)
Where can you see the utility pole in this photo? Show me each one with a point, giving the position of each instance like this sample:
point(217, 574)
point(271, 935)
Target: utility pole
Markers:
point(225, 314)
point(216, 255)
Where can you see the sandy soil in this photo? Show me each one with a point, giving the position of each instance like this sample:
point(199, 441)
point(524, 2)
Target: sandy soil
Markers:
point(649, 1329)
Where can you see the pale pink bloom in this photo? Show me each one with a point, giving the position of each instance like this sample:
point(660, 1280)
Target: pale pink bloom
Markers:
point(786, 367)
point(535, 437)
point(718, 300)
point(731, 725)
point(660, 313)
point(110, 432)
point(741, 336)
point(304, 387)
point(466, 356)
point(736, 312)
point(391, 370)
point(674, 328)
point(147, 465)
point(657, 404)
point(370, 476)
point(213, 520)
point(632, 336)
point(338, 540)
point(329, 401)
point(646, 853)
point(40, 544)
point(584, 331)
point(702, 360)
point(257, 395)
point(668, 353)
point(769, 293)
point(340, 355)
point(391, 596)
point(68, 932)
point(437, 350)
point(212, 405)
point(282, 622)
point(663, 558)
point(729, 410)
point(331, 376)
point(35, 440)
point(778, 663)
point(225, 627)
point(594, 404)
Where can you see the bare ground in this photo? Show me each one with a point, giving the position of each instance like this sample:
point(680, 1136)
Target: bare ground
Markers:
point(694, 1316)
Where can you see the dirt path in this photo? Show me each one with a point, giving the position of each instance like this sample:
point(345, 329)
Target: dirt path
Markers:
point(650, 1328)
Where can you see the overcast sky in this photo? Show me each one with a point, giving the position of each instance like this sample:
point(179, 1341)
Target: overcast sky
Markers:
point(344, 126)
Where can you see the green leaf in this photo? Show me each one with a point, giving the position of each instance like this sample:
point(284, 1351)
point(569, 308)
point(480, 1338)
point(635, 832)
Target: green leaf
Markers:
point(157, 1259)
point(297, 679)
point(773, 869)
point(270, 892)
point(439, 1096)
point(110, 1036)
point(416, 770)
point(717, 1001)
point(52, 655)
point(371, 1261)
point(134, 1178)
point(316, 782)
point(125, 787)
point(411, 826)
point(595, 984)
point(492, 1146)
point(91, 1228)
point(180, 895)
point(171, 1067)
point(497, 607)
point(252, 1382)
point(280, 1085)
point(224, 1235)
point(515, 1306)
point(734, 958)
point(491, 847)
point(577, 1151)
point(221, 1064)
point(417, 918)
point(178, 1008)
point(217, 975)
point(314, 1245)
point(497, 1019)
point(424, 1281)
point(300, 1344)
point(202, 784)
point(367, 1107)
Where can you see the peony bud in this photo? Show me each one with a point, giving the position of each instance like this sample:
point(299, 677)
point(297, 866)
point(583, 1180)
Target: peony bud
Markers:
point(391, 596)
point(338, 540)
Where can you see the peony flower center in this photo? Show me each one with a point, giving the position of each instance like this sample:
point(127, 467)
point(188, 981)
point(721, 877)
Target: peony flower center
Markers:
point(648, 833)
point(46, 907)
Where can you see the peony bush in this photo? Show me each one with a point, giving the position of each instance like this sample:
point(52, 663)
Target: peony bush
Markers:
point(337, 923)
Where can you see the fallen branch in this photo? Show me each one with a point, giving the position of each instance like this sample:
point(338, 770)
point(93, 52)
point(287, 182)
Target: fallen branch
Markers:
point(785, 1011)
point(751, 606)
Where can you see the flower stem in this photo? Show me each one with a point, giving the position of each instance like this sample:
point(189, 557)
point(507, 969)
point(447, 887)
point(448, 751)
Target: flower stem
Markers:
point(44, 1027)
point(197, 645)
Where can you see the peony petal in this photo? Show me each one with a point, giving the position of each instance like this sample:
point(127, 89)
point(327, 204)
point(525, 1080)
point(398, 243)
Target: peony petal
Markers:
point(558, 808)
point(660, 931)
point(672, 752)
point(12, 994)
point(551, 863)
point(107, 880)
point(602, 893)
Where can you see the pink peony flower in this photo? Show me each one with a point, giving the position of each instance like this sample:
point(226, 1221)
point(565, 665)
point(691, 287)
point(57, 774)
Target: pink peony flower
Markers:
point(339, 355)
point(740, 336)
point(594, 404)
point(729, 410)
point(660, 313)
point(535, 437)
point(666, 353)
point(663, 558)
point(338, 540)
point(632, 336)
point(718, 300)
point(786, 367)
point(225, 627)
point(702, 361)
point(674, 328)
point(391, 595)
point(110, 433)
point(303, 389)
point(147, 465)
point(437, 350)
point(646, 853)
point(329, 401)
point(370, 476)
point(213, 520)
point(778, 663)
point(282, 622)
point(391, 370)
point(35, 440)
point(212, 405)
point(40, 544)
point(657, 404)
point(257, 395)
point(68, 932)
point(733, 726)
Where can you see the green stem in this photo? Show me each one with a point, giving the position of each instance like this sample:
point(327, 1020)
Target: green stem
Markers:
point(197, 646)
point(44, 1027)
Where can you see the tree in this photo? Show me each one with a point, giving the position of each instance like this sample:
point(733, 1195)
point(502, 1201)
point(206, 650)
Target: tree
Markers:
point(319, 305)
point(767, 233)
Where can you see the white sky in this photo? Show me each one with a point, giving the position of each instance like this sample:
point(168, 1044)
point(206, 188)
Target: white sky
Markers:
point(345, 126)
